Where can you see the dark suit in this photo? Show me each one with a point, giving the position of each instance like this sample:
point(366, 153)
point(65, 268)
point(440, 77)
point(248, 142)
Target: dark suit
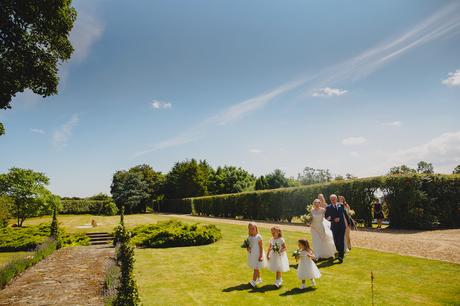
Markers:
point(337, 228)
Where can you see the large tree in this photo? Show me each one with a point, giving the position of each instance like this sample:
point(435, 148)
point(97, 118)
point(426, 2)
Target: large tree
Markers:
point(154, 181)
point(456, 170)
point(261, 183)
point(277, 179)
point(425, 167)
point(403, 169)
point(188, 178)
point(34, 39)
point(27, 190)
point(313, 176)
point(230, 179)
point(129, 189)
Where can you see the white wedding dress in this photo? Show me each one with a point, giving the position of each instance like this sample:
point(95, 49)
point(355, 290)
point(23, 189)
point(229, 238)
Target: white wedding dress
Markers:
point(323, 241)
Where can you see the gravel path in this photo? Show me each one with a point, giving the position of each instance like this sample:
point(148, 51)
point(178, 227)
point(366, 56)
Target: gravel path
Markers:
point(440, 244)
point(70, 276)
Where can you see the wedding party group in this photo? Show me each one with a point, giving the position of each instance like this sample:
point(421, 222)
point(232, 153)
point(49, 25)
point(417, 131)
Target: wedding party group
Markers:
point(330, 231)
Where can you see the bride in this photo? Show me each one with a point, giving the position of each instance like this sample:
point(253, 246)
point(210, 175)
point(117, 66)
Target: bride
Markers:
point(323, 242)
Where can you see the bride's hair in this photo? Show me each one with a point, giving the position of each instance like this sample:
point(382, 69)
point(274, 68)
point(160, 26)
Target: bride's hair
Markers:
point(315, 200)
point(277, 228)
point(304, 243)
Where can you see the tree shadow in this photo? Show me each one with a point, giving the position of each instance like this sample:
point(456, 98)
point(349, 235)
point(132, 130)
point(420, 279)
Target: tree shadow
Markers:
point(295, 291)
point(264, 289)
point(240, 287)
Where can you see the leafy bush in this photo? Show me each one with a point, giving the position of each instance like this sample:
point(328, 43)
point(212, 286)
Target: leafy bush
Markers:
point(178, 206)
point(174, 234)
point(5, 210)
point(27, 238)
point(414, 201)
point(10, 270)
point(89, 206)
point(111, 282)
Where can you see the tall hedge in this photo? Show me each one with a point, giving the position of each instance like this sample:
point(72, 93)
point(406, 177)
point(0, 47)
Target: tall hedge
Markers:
point(88, 206)
point(413, 201)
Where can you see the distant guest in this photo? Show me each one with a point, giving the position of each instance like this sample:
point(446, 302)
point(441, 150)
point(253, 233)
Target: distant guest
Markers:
point(378, 213)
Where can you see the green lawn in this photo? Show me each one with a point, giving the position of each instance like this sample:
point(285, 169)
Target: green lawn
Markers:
point(217, 274)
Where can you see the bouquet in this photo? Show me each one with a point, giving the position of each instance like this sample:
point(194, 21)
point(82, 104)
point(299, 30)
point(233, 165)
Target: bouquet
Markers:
point(245, 244)
point(276, 248)
point(296, 254)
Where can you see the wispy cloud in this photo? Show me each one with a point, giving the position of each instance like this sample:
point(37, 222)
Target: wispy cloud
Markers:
point(443, 22)
point(353, 141)
point(87, 30)
point(38, 131)
point(62, 135)
point(393, 123)
point(241, 109)
point(156, 104)
point(453, 79)
point(255, 151)
point(329, 92)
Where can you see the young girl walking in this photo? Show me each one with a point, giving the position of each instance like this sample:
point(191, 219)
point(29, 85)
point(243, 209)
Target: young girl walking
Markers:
point(307, 269)
point(277, 258)
point(255, 253)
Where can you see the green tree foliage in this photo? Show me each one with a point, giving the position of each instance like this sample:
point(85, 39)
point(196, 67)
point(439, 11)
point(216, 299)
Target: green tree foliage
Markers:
point(277, 179)
point(456, 170)
point(261, 183)
point(6, 205)
point(187, 179)
point(55, 232)
point(129, 190)
point(230, 179)
point(27, 189)
point(2, 129)
point(154, 181)
point(401, 170)
point(34, 38)
point(425, 167)
point(311, 176)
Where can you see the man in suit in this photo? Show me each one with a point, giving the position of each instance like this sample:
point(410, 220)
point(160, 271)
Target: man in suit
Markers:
point(337, 214)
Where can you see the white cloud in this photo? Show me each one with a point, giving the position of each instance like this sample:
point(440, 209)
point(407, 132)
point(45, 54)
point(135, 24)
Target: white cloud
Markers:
point(38, 131)
point(239, 110)
point(64, 132)
point(453, 79)
point(86, 31)
point(255, 151)
point(442, 149)
point(352, 141)
point(329, 92)
point(355, 154)
point(393, 123)
point(156, 104)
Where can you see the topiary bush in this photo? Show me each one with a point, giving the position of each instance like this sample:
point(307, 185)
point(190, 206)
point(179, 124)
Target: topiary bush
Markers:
point(174, 234)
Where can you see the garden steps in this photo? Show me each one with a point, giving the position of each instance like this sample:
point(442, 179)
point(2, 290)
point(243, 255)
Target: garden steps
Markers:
point(100, 238)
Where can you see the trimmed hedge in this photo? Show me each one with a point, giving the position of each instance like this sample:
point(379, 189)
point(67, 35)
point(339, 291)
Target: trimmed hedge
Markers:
point(88, 206)
point(174, 234)
point(413, 201)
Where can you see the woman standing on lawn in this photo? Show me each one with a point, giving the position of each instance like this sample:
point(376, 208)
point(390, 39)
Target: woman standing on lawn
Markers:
point(322, 238)
point(349, 221)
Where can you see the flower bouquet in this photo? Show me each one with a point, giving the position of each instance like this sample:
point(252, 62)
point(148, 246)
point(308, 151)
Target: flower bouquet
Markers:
point(245, 244)
point(276, 248)
point(296, 254)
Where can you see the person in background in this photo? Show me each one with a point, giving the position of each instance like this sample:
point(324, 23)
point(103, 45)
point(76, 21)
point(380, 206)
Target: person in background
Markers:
point(378, 213)
point(349, 221)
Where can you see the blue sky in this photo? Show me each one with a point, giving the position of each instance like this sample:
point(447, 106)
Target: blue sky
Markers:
point(351, 86)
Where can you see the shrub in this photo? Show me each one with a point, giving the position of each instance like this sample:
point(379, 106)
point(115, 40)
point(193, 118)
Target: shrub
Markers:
point(28, 238)
point(111, 282)
point(5, 210)
point(414, 201)
point(174, 234)
point(89, 206)
point(178, 206)
point(13, 268)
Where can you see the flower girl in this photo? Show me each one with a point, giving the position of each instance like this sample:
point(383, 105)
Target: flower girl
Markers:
point(307, 269)
point(255, 253)
point(277, 258)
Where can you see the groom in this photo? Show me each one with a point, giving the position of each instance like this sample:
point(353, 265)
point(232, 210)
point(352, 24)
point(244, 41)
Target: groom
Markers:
point(336, 214)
